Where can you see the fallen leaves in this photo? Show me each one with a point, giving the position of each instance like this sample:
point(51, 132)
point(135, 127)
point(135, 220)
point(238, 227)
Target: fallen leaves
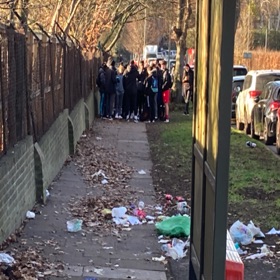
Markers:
point(29, 265)
point(97, 164)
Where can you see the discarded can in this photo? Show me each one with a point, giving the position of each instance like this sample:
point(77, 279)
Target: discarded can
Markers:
point(141, 205)
point(168, 197)
point(251, 144)
point(179, 198)
point(182, 207)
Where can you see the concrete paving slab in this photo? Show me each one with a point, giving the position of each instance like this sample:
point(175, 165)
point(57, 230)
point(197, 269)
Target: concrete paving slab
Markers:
point(124, 273)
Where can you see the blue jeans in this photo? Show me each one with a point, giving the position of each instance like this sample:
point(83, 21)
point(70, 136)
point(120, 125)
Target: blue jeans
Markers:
point(119, 103)
point(102, 104)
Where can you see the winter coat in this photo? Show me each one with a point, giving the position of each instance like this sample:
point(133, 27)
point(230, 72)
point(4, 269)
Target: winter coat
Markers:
point(148, 83)
point(102, 79)
point(130, 80)
point(166, 80)
point(110, 75)
point(119, 85)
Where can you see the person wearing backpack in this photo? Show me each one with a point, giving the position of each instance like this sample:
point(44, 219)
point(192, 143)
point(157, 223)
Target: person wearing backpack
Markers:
point(166, 85)
point(151, 89)
point(101, 83)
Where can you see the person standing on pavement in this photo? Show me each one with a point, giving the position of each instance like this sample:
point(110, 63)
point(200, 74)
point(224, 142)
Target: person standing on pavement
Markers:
point(119, 92)
point(101, 83)
point(110, 88)
point(151, 89)
point(159, 110)
point(142, 75)
point(130, 86)
point(187, 93)
point(166, 85)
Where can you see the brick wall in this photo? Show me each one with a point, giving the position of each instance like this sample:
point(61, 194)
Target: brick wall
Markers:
point(77, 117)
point(91, 108)
point(17, 186)
point(27, 170)
point(51, 153)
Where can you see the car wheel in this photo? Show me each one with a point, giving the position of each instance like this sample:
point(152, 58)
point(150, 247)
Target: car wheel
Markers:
point(253, 135)
point(278, 138)
point(248, 128)
point(239, 125)
point(267, 140)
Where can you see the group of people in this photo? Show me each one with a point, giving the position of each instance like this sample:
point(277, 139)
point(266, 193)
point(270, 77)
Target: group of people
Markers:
point(136, 92)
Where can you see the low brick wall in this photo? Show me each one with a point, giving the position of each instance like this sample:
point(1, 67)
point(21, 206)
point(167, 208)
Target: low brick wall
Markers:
point(17, 186)
point(27, 170)
point(50, 153)
point(89, 103)
point(77, 117)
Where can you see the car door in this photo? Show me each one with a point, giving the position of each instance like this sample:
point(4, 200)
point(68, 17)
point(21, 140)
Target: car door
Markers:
point(260, 107)
point(241, 99)
point(272, 104)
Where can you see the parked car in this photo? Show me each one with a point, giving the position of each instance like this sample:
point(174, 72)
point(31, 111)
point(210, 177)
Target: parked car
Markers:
point(237, 85)
point(278, 132)
point(160, 55)
point(253, 86)
point(171, 63)
point(173, 54)
point(239, 70)
point(264, 114)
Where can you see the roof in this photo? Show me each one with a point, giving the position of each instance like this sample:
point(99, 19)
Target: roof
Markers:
point(238, 78)
point(261, 72)
point(240, 66)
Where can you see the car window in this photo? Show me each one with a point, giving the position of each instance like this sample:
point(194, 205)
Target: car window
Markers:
point(247, 82)
point(266, 92)
point(236, 84)
point(277, 95)
point(262, 80)
point(239, 71)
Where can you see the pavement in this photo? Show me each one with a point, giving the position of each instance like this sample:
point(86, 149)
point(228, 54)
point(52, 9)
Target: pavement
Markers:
point(83, 253)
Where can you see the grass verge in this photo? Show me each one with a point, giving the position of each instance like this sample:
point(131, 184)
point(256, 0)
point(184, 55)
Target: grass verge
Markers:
point(254, 185)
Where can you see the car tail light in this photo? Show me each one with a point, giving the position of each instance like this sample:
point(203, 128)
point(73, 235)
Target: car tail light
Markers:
point(254, 93)
point(274, 105)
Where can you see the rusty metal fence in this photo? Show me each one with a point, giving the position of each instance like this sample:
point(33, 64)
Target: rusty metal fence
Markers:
point(39, 78)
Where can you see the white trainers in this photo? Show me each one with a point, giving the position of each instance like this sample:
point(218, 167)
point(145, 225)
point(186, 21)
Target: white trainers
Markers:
point(135, 119)
point(167, 121)
point(117, 116)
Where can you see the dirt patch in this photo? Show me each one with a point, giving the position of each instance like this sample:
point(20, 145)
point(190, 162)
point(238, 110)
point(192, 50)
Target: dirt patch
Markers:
point(259, 194)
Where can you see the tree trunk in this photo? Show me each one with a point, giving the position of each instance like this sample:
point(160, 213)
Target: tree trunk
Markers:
point(183, 16)
point(74, 6)
point(55, 17)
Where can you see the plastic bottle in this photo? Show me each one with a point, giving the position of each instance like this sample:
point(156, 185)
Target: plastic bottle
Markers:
point(141, 205)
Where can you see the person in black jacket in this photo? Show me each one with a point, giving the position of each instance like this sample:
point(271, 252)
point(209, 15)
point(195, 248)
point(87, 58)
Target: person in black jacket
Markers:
point(101, 83)
point(110, 87)
point(142, 75)
point(166, 85)
point(130, 87)
point(188, 78)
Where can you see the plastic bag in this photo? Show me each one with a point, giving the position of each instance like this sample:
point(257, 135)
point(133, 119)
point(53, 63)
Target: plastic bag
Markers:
point(255, 230)
point(241, 233)
point(6, 259)
point(74, 225)
point(175, 226)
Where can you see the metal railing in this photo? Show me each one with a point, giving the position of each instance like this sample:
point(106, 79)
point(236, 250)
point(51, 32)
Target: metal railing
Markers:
point(40, 76)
